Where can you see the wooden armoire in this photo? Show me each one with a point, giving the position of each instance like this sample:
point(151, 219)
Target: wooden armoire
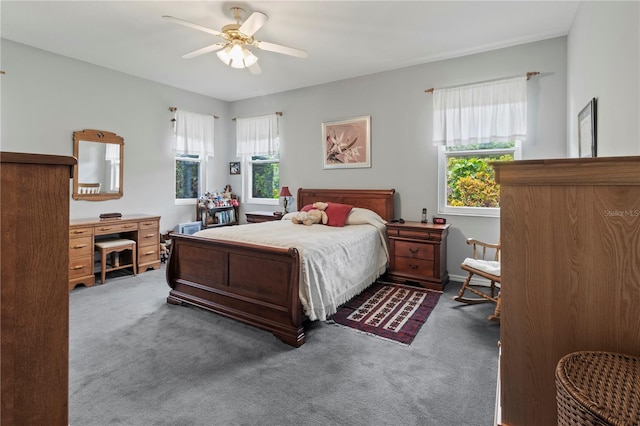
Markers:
point(34, 292)
point(570, 233)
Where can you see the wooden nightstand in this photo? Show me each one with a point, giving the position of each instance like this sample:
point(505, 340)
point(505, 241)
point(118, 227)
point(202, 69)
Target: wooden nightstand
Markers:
point(262, 216)
point(418, 254)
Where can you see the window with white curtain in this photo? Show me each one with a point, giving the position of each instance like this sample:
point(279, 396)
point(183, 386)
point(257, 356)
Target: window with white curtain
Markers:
point(474, 125)
point(194, 145)
point(258, 144)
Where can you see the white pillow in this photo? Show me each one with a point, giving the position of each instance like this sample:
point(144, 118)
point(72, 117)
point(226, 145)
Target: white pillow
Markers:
point(360, 216)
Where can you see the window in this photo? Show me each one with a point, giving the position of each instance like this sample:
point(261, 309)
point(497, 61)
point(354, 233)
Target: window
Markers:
point(474, 125)
point(188, 177)
point(258, 144)
point(263, 179)
point(466, 180)
point(194, 143)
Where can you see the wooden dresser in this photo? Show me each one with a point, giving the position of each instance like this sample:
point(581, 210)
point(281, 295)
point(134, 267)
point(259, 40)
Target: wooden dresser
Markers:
point(34, 300)
point(143, 229)
point(570, 234)
point(418, 254)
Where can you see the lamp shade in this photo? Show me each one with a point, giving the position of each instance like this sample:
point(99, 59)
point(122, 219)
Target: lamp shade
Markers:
point(284, 192)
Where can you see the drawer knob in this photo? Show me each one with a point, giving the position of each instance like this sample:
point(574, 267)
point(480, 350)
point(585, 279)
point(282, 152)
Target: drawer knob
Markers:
point(413, 266)
point(79, 246)
point(149, 252)
point(149, 235)
point(414, 251)
point(75, 268)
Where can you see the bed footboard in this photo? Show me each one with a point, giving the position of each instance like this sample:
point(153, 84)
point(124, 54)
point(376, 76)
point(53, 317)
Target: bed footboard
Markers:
point(254, 284)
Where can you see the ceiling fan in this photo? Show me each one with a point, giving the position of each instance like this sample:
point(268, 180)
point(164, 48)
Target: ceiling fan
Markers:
point(238, 37)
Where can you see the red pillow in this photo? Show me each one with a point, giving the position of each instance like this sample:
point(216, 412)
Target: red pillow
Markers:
point(306, 208)
point(338, 213)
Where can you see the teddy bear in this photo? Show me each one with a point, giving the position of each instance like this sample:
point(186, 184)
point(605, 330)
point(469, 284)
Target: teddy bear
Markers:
point(316, 215)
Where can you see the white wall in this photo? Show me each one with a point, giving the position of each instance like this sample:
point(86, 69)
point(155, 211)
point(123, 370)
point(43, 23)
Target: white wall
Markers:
point(403, 156)
point(46, 97)
point(604, 62)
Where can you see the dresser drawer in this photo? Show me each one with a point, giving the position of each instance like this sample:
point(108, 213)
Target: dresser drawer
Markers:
point(414, 266)
point(147, 254)
point(148, 237)
point(149, 224)
point(79, 247)
point(80, 232)
point(113, 228)
point(414, 250)
point(80, 266)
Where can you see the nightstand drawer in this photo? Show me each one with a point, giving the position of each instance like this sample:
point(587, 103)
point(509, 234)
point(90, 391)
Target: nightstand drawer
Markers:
point(415, 234)
point(414, 250)
point(414, 266)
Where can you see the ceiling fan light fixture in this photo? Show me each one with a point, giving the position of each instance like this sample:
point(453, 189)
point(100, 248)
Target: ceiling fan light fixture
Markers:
point(225, 55)
point(236, 52)
point(249, 58)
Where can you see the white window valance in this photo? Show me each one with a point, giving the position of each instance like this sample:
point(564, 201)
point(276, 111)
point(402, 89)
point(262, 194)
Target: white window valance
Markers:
point(480, 113)
point(257, 136)
point(194, 133)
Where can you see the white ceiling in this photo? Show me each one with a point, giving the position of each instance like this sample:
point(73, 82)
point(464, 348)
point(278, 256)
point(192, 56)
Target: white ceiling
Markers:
point(344, 39)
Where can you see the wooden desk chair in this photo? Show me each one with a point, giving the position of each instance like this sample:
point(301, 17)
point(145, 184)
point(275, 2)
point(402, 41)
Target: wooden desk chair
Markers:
point(486, 268)
point(114, 247)
point(89, 188)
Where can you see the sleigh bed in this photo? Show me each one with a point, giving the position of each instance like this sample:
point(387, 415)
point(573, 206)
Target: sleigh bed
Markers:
point(254, 283)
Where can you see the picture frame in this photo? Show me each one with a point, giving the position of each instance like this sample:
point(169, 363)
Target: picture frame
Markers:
point(587, 130)
point(346, 143)
point(234, 168)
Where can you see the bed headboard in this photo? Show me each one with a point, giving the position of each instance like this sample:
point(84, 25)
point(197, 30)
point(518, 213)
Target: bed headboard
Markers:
point(380, 201)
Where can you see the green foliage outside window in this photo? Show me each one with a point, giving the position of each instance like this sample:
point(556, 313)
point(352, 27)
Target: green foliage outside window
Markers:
point(266, 179)
point(470, 179)
point(187, 178)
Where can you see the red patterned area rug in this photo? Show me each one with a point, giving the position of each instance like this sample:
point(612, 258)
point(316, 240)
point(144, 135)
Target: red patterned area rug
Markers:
point(390, 311)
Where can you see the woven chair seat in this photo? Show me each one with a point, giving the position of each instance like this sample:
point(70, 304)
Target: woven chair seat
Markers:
point(598, 388)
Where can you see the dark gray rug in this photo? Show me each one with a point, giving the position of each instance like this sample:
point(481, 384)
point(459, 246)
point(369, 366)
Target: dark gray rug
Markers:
point(135, 360)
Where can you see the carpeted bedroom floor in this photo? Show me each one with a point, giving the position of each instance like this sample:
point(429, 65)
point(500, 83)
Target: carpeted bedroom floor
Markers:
point(136, 360)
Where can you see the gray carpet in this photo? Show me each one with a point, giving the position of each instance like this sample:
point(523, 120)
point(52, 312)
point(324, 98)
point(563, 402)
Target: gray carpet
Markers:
point(136, 360)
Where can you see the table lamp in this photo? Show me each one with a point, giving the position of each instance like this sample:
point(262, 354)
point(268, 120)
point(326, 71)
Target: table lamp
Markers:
point(285, 194)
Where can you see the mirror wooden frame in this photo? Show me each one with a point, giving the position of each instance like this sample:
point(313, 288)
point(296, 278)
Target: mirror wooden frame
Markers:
point(89, 135)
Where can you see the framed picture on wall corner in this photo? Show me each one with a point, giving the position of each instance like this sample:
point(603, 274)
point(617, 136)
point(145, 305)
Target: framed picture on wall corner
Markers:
point(234, 168)
point(587, 130)
point(347, 143)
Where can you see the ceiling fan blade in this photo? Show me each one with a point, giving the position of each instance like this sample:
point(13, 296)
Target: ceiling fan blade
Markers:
point(255, 69)
point(253, 23)
point(272, 47)
point(192, 25)
point(204, 50)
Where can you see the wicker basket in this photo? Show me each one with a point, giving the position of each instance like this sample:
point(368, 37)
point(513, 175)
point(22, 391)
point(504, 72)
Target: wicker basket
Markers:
point(598, 388)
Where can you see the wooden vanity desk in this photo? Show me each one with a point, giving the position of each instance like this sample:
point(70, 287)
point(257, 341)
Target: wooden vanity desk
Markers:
point(143, 229)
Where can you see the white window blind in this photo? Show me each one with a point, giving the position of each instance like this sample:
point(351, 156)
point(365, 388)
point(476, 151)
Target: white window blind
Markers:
point(257, 136)
point(481, 113)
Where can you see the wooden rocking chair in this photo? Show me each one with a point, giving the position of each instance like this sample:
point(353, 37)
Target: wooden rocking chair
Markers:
point(485, 268)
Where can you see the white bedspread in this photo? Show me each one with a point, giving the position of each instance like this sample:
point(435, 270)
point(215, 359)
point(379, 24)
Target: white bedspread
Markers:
point(336, 263)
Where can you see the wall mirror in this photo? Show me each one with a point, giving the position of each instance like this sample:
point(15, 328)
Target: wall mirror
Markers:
point(98, 174)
